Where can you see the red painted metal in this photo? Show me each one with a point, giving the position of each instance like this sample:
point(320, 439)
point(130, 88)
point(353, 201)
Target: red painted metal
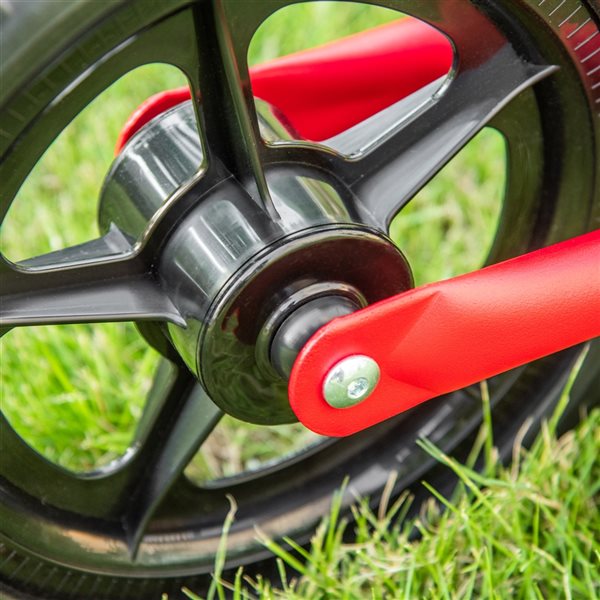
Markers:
point(441, 337)
point(325, 90)
point(150, 108)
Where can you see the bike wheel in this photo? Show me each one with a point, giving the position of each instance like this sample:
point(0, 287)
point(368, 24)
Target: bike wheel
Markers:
point(141, 528)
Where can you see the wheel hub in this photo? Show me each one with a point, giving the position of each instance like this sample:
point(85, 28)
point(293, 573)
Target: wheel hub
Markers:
point(251, 288)
point(301, 282)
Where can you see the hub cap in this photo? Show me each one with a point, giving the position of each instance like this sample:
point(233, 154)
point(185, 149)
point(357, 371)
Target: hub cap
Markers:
point(235, 274)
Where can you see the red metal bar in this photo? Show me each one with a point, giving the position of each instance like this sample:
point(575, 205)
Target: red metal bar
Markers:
point(444, 336)
point(325, 90)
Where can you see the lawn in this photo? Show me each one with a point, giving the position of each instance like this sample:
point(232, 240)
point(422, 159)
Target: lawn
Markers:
point(76, 392)
point(529, 530)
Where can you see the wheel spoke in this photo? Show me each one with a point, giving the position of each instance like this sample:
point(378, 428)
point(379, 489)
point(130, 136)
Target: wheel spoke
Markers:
point(359, 139)
point(405, 156)
point(519, 123)
point(66, 92)
point(75, 291)
point(109, 245)
point(179, 416)
point(224, 96)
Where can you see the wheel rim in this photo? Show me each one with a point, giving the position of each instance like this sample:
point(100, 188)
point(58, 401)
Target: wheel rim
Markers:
point(81, 514)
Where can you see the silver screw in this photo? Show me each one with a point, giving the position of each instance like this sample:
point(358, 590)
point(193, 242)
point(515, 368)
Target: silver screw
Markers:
point(351, 381)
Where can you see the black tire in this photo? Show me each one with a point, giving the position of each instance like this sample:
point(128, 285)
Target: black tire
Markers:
point(37, 38)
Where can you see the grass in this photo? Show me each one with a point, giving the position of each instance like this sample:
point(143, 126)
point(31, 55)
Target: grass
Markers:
point(529, 530)
point(76, 393)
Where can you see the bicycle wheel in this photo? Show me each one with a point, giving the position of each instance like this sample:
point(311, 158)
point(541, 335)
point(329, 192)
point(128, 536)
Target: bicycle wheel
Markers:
point(139, 527)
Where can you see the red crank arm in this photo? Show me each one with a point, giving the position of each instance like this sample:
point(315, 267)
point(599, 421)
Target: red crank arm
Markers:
point(325, 90)
point(444, 336)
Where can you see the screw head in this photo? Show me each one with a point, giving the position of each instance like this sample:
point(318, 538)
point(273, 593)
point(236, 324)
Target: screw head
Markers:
point(351, 381)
